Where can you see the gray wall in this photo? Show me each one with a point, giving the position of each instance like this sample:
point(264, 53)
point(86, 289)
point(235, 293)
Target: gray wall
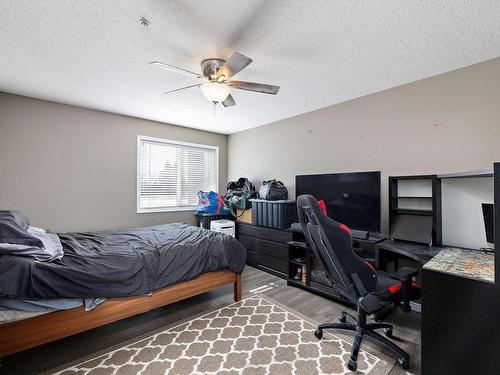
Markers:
point(70, 168)
point(445, 123)
point(463, 223)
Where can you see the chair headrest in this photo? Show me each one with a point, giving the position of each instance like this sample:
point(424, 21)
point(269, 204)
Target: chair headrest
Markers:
point(306, 202)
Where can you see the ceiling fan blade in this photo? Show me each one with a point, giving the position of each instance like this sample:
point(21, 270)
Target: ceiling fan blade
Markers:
point(257, 87)
point(175, 69)
point(182, 88)
point(235, 64)
point(229, 101)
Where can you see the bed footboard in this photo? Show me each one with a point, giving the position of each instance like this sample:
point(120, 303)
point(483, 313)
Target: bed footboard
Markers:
point(28, 333)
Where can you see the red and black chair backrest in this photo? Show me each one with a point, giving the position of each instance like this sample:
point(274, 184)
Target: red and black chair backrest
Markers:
point(331, 243)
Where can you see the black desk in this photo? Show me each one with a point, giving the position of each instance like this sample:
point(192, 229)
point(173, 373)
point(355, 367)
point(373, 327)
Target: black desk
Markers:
point(460, 305)
point(389, 250)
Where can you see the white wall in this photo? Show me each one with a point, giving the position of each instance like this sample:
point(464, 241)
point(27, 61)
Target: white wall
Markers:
point(447, 123)
point(69, 168)
point(462, 214)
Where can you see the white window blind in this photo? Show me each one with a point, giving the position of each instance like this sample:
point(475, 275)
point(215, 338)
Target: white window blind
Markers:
point(170, 174)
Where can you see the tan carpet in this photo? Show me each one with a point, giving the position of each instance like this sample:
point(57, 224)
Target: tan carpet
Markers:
point(254, 336)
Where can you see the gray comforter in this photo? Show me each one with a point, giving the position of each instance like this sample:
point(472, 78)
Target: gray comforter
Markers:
point(121, 263)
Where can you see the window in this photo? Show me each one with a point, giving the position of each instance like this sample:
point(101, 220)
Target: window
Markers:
point(170, 174)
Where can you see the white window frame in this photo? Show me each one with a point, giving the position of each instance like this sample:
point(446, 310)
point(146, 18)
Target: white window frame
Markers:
point(172, 142)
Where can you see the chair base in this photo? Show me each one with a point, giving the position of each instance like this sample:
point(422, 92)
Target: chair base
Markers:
point(348, 322)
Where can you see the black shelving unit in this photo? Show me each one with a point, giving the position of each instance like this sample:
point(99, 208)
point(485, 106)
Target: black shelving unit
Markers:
point(416, 195)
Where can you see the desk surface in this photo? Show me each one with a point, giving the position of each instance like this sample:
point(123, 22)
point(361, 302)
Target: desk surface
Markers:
point(417, 252)
point(472, 264)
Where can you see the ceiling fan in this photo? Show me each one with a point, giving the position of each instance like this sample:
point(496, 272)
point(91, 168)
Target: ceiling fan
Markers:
point(216, 76)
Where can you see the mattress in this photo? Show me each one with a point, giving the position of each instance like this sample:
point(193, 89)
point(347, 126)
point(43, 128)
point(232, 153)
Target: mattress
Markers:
point(10, 316)
point(12, 309)
point(125, 263)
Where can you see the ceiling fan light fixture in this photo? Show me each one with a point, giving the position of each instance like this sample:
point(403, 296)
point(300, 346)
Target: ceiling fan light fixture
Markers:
point(215, 91)
point(216, 79)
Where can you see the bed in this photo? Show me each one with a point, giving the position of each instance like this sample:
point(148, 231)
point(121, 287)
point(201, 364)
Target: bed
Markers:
point(136, 270)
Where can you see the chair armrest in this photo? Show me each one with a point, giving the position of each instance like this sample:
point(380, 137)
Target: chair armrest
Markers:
point(404, 274)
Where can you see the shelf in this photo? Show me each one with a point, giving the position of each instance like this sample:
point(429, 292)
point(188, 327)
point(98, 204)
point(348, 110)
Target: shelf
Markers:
point(300, 244)
point(416, 177)
point(365, 254)
point(296, 282)
point(320, 289)
point(414, 197)
point(406, 211)
point(368, 259)
point(471, 174)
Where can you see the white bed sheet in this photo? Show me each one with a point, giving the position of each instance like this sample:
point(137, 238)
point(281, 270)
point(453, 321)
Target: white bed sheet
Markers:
point(10, 316)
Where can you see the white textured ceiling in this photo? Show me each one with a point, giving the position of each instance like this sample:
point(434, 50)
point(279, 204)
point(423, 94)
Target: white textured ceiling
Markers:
point(94, 53)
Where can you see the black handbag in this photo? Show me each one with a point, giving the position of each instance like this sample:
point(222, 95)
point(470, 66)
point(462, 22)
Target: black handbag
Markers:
point(273, 190)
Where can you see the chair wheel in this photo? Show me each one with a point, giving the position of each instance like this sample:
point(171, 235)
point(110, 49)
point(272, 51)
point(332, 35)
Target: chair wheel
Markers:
point(342, 318)
point(404, 363)
point(388, 332)
point(319, 334)
point(353, 366)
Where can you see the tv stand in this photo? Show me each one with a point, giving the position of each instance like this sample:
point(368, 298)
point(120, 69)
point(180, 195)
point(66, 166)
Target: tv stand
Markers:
point(365, 248)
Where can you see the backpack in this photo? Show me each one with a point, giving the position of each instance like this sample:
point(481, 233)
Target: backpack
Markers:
point(273, 190)
point(239, 194)
point(210, 203)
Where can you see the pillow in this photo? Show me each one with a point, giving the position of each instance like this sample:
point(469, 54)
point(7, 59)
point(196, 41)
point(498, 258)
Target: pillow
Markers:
point(11, 232)
point(50, 250)
point(17, 217)
point(52, 247)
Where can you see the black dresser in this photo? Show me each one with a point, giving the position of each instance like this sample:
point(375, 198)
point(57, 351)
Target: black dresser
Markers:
point(266, 247)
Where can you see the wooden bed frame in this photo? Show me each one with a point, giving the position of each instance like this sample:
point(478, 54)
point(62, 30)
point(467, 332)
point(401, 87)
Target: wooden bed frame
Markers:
point(41, 329)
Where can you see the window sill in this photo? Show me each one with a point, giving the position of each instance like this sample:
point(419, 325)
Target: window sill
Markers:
point(164, 209)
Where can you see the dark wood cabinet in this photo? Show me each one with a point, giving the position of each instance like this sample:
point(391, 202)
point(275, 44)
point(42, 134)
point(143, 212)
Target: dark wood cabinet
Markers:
point(460, 330)
point(267, 248)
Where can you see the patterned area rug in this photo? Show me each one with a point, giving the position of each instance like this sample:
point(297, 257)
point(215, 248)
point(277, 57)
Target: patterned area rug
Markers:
point(250, 337)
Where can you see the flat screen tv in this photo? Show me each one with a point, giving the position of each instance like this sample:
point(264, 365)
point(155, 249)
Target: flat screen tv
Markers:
point(352, 199)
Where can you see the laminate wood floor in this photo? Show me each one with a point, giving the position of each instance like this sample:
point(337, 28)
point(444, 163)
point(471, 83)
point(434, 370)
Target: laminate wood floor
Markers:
point(406, 326)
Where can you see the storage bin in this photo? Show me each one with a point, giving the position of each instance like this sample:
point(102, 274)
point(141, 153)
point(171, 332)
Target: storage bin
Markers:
point(203, 221)
point(244, 216)
point(273, 214)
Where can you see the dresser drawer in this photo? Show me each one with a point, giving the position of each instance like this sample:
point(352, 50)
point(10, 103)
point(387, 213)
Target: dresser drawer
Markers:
point(274, 263)
point(274, 249)
point(252, 258)
point(274, 235)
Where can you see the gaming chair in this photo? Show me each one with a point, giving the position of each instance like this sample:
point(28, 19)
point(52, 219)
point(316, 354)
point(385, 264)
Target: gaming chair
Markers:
point(356, 280)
